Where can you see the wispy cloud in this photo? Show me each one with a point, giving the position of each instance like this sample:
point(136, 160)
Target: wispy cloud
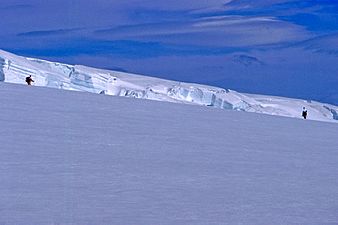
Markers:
point(42, 33)
point(123, 48)
point(230, 20)
point(326, 44)
point(313, 15)
point(15, 6)
point(224, 31)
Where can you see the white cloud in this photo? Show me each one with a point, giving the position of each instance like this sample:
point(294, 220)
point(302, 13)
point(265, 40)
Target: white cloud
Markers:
point(327, 44)
point(221, 31)
point(230, 20)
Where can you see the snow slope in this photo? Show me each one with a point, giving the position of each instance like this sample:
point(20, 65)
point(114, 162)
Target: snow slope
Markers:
point(80, 158)
point(14, 69)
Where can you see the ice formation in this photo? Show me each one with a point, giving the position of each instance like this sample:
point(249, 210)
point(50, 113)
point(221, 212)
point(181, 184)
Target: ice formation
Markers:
point(14, 69)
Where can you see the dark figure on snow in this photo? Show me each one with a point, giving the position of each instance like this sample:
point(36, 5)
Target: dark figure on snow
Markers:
point(304, 113)
point(29, 80)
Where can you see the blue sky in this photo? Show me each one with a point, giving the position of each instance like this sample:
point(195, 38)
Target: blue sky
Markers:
point(276, 47)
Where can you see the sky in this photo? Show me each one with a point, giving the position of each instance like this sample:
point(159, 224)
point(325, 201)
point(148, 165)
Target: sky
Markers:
point(275, 47)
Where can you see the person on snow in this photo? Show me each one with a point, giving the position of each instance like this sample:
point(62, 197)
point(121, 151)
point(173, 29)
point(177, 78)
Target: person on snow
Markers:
point(29, 80)
point(304, 113)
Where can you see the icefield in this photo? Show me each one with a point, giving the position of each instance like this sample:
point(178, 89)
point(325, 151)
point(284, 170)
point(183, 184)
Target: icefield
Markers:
point(14, 69)
point(76, 158)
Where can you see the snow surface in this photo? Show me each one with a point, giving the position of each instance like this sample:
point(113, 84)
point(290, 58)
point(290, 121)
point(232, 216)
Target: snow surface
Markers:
point(80, 158)
point(14, 69)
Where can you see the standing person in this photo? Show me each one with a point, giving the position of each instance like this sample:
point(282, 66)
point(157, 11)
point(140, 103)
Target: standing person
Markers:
point(29, 80)
point(304, 113)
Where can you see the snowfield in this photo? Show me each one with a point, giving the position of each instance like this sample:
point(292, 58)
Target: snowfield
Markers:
point(14, 69)
point(81, 158)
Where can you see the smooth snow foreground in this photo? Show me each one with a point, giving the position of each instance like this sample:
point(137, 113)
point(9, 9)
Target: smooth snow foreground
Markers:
point(80, 158)
point(14, 69)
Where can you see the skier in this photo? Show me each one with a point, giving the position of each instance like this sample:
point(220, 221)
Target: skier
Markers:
point(304, 113)
point(29, 80)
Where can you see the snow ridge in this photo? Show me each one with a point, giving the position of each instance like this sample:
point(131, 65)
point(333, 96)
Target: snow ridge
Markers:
point(14, 69)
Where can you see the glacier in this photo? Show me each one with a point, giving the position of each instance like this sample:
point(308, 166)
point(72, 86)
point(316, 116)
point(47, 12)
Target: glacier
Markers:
point(14, 69)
